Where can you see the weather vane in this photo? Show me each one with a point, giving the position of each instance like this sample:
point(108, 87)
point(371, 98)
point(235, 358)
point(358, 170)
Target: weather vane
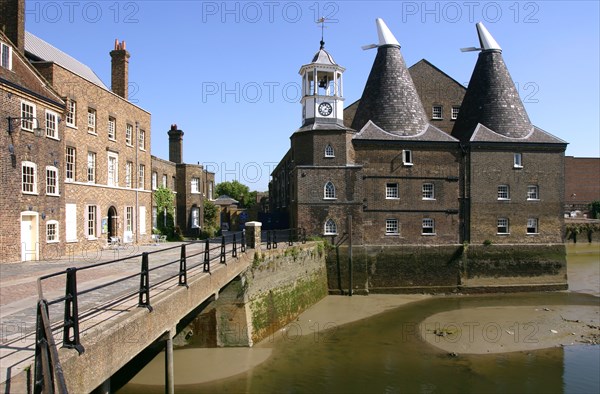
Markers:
point(322, 21)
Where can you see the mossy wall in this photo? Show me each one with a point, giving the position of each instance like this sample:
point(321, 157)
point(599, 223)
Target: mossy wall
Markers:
point(449, 268)
point(281, 284)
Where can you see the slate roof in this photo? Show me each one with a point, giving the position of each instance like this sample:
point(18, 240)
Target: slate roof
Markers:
point(44, 51)
point(225, 200)
point(492, 100)
point(536, 136)
point(390, 97)
point(429, 133)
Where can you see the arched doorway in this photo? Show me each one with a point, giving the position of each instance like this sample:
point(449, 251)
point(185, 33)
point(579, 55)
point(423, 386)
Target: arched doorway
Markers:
point(113, 222)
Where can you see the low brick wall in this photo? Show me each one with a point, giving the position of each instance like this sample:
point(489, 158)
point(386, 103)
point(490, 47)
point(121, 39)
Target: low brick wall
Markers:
point(451, 268)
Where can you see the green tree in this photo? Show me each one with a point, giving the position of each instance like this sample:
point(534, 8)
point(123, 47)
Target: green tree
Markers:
point(594, 209)
point(237, 191)
point(210, 219)
point(164, 199)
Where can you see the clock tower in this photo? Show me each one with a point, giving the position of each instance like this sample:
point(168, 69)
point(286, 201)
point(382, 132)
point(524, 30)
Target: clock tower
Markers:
point(322, 90)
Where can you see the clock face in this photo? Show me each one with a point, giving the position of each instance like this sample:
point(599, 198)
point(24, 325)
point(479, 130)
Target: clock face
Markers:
point(325, 109)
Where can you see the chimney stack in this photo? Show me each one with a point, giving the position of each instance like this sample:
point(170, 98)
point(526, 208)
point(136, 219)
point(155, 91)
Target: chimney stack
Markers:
point(175, 145)
point(120, 70)
point(12, 22)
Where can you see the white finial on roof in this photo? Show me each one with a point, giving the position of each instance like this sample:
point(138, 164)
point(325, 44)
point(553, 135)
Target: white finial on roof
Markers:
point(385, 35)
point(485, 38)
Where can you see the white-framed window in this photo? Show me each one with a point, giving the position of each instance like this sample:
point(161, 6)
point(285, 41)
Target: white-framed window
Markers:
point(52, 181)
point(29, 177)
point(128, 218)
point(391, 227)
point(128, 174)
point(428, 226)
point(5, 56)
point(407, 158)
point(503, 226)
point(329, 191)
point(91, 123)
point(27, 115)
point(195, 185)
point(533, 192)
point(503, 192)
point(51, 231)
point(142, 220)
point(532, 226)
point(164, 180)
point(195, 217)
point(428, 191)
point(91, 167)
point(112, 128)
point(129, 134)
point(91, 221)
point(391, 191)
point(436, 112)
point(113, 169)
point(141, 173)
point(51, 124)
point(142, 140)
point(518, 160)
point(71, 118)
point(329, 151)
point(455, 110)
point(154, 180)
point(210, 190)
point(330, 227)
point(69, 164)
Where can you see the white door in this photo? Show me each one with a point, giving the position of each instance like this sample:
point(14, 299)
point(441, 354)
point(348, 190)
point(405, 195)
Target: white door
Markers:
point(29, 238)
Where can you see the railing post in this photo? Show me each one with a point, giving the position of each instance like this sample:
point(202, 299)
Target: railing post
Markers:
point(268, 239)
point(71, 318)
point(207, 256)
point(144, 292)
point(223, 258)
point(274, 239)
point(243, 242)
point(43, 375)
point(234, 250)
point(290, 240)
point(183, 268)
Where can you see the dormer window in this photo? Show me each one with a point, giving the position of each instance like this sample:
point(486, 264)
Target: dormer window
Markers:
point(407, 158)
point(436, 112)
point(5, 56)
point(329, 151)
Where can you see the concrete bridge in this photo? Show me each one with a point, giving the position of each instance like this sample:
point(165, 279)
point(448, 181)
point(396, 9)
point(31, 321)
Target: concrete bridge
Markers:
point(111, 331)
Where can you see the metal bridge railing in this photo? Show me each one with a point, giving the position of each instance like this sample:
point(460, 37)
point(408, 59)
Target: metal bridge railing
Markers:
point(290, 235)
point(48, 373)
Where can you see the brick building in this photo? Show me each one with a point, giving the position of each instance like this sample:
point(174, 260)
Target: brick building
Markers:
point(191, 183)
point(582, 183)
point(31, 165)
point(419, 159)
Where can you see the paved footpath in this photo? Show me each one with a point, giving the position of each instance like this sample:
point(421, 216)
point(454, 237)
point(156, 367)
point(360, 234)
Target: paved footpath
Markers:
point(19, 295)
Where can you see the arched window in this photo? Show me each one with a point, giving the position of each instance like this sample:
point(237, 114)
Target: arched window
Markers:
point(329, 190)
point(330, 227)
point(329, 151)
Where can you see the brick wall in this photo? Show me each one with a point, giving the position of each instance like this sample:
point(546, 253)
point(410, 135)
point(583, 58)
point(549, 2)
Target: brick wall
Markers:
point(581, 180)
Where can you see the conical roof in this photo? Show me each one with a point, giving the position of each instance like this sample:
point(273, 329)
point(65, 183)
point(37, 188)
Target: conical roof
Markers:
point(491, 98)
point(390, 99)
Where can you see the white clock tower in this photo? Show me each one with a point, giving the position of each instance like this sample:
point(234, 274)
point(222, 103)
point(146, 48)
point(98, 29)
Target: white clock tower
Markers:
point(322, 90)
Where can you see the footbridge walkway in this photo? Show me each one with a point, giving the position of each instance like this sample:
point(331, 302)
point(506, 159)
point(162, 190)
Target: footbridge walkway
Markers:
point(91, 319)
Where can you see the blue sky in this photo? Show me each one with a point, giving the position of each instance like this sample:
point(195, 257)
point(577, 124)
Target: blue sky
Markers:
point(227, 72)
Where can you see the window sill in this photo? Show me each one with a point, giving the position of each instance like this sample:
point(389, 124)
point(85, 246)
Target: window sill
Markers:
point(53, 195)
point(392, 234)
point(501, 234)
point(31, 193)
point(143, 149)
point(330, 198)
point(129, 145)
point(329, 157)
point(329, 234)
point(71, 241)
point(533, 234)
point(71, 126)
point(53, 138)
point(428, 199)
point(392, 198)
point(93, 133)
point(407, 164)
point(533, 199)
point(517, 167)
point(112, 139)
point(504, 199)
point(437, 118)
point(92, 238)
point(52, 242)
point(428, 234)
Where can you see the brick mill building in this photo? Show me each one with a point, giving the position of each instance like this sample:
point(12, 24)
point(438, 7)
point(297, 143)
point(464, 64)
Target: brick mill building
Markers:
point(419, 160)
point(191, 183)
point(31, 165)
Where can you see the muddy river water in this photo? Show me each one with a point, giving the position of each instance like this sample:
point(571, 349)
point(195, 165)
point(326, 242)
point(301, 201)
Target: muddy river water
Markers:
point(325, 351)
